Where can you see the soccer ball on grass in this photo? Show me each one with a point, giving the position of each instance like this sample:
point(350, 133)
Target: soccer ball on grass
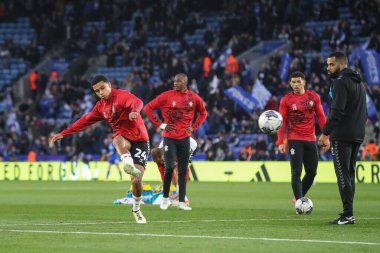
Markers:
point(304, 206)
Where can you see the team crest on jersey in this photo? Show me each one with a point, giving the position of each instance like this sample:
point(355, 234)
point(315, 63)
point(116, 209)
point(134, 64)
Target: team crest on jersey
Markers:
point(110, 113)
point(294, 107)
point(292, 151)
point(311, 103)
point(173, 103)
point(166, 148)
point(191, 103)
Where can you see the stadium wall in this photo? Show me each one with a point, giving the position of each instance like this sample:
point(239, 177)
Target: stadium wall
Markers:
point(366, 172)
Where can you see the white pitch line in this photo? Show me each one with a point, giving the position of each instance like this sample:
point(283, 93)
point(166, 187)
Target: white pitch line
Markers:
point(167, 221)
point(192, 236)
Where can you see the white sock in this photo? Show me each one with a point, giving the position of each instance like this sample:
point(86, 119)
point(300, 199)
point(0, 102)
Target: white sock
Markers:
point(136, 203)
point(127, 159)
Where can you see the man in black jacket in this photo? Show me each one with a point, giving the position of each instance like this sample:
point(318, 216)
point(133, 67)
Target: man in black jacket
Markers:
point(345, 126)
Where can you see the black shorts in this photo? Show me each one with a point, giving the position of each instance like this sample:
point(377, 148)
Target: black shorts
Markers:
point(140, 152)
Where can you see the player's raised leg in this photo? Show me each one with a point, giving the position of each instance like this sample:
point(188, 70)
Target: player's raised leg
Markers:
point(122, 147)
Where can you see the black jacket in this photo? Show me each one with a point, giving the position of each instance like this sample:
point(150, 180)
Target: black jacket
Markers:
point(348, 108)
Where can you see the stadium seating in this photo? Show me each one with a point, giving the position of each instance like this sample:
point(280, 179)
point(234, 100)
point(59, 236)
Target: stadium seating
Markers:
point(108, 38)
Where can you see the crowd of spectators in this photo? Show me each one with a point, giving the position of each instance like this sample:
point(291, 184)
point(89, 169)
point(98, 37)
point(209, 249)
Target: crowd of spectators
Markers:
point(243, 23)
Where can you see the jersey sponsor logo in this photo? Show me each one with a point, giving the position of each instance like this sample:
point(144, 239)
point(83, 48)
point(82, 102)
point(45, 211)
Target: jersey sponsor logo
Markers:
point(174, 115)
point(292, 151)
point(296, 118)
point(111, 113)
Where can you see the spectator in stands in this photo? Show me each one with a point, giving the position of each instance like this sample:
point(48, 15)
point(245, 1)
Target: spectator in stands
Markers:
point(33, 77)
point(370, 151)
point(32, 156)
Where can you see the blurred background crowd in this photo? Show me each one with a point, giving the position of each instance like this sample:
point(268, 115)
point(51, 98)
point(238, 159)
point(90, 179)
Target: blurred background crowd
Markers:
point(141, 44)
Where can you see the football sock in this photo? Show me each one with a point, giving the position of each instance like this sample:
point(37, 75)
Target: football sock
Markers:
point(127, 158)
point(136, 203)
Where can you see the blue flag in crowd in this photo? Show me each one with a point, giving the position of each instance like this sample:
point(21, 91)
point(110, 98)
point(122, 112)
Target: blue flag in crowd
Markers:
point(283, 71)
point(371, 66)
point(222, 59)
point(242, 98)
point(261, 93)
point(354, 56)
point(371, 109)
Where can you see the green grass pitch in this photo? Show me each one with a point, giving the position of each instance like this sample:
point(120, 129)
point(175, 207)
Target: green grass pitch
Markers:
point(226, 217)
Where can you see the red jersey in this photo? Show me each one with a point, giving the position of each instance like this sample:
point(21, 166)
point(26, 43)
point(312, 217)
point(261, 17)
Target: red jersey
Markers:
point(115, 110)
point(177, 108)
point(161, 169)
point(297, 112)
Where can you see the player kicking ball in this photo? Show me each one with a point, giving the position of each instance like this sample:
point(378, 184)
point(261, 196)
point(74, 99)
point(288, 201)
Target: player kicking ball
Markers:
point(121, 110)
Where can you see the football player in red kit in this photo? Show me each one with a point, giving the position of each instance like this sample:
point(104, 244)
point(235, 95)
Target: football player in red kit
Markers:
point(121, 110)
point(178, 108)
point(297, 110)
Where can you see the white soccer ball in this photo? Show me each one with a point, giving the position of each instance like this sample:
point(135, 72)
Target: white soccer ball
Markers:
point(304, 206)
point(270, 122)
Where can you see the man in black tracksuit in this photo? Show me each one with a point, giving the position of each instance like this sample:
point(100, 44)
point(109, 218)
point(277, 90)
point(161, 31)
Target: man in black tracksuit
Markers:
point(345, 126)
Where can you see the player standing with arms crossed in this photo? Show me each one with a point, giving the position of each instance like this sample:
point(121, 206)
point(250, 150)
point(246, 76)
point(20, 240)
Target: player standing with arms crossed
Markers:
point(297, 110)
point(178, 108)
point(121, 110)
